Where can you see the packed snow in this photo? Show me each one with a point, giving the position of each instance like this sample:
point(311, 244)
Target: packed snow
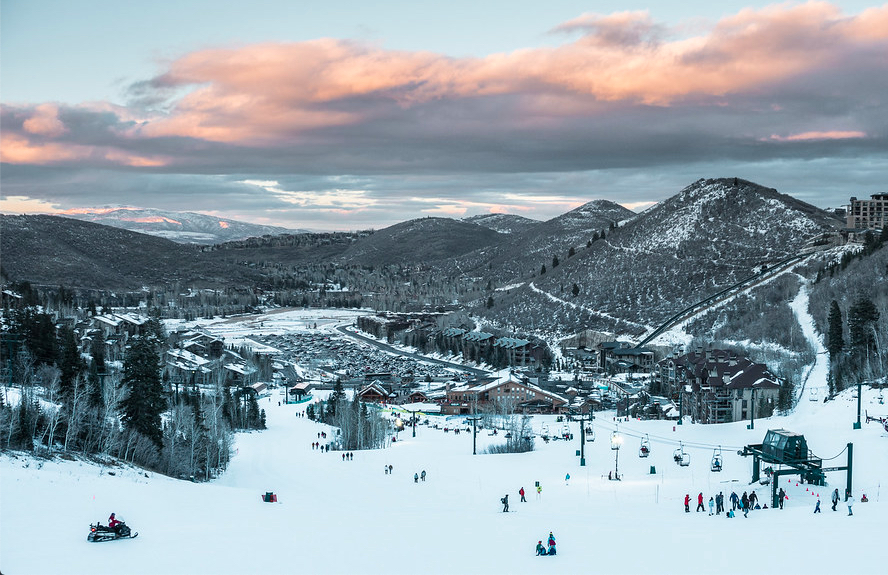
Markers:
point(336, 516)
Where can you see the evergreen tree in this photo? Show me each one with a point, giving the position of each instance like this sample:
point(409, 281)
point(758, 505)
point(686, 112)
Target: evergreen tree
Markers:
point(145, 399)
point(571, 252)
point(860, 318)
point(97, 350)
point(576, 290)
point(836, 339)
point(543, 269)
point(489, 302)
point(602, 236)
point(555, 261)
point(71, 364)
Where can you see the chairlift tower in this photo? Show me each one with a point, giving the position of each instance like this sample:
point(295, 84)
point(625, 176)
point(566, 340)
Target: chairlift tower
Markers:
point(583, 418)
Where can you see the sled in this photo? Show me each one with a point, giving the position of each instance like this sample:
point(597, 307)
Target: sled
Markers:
point(99, 533)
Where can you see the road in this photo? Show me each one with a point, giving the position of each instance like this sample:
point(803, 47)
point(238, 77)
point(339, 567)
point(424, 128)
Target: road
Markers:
point(418, 357)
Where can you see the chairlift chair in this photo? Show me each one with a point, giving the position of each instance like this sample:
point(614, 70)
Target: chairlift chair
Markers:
point(717, 460)
point(645, 448)
point(685, 459)
point(676, 455)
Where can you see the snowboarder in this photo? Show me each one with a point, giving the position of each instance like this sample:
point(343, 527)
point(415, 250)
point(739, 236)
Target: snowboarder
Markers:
point(711, 505)
point(505, 502)
point(422, 475)
point(567, 479)
point(734, 501)
point(416, 478)
point(390, 469)
point(782, 495)
point(687, 503)
point(835, 499)
point(817, 507)
point(552, 548)
point(700, 503)
point(540, 549)
point(850, 502)
point(521, 493)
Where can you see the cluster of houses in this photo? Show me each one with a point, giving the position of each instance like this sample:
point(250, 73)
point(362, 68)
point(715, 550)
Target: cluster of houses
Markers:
point(422, 330)
point(711, 386)
point(193, 358)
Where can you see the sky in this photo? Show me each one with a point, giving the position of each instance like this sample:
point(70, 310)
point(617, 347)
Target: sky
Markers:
point(348, 115)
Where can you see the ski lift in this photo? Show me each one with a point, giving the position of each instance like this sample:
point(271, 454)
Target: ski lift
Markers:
point(590, 434)
point(680, 457)
point(645, 448)
point(717, 460)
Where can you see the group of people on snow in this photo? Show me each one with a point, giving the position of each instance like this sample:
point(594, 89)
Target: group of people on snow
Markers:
point(541, 550)
point(418, 476)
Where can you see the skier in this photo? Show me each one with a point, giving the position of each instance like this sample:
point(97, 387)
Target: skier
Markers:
point(782, 495)
point(817, 507)
point(422, 476)
point(567, 479)
point(700, 503)
point(687, 503)
point(850, 502)
point(539, 492)
point(835, 499)
point(711, 505)
point(720, 503)
point(416, 478)
point(390, 469)
point(521, 493)
point(540, 549)
point(551, 541)
point(734, 501)
point(505, 502)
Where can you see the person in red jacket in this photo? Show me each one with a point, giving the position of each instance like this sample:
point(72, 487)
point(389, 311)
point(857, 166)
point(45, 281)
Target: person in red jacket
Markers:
point(521, 493)
point(687, 503)
point(700, 503)
point(112, 522)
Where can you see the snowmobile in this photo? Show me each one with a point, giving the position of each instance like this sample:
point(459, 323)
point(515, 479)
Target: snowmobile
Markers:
point(99, 532)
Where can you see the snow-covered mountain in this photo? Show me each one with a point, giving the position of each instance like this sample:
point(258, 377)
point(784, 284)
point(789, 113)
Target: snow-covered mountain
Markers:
point(707, 237)
point(182, 227)
point(503, 223)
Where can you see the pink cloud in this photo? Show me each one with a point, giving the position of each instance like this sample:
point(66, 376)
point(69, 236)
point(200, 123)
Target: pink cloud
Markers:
point(830, 135)
point(277, 94)
point(45, 121)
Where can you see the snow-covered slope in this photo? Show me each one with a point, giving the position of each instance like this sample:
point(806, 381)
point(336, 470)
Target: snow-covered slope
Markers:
point(335, 516)
point(182, 227)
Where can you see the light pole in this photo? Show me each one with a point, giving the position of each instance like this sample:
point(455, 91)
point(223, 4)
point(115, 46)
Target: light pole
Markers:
point(752, 412)
point(857, 423)
point(474, 419)
point(582, 419)
point(616, 442)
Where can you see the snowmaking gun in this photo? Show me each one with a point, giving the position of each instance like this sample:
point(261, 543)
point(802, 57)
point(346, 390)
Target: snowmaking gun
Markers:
point(99, 532)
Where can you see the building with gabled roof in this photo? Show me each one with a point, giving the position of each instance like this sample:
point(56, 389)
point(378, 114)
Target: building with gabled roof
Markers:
point(723, 386)
point(505, 391)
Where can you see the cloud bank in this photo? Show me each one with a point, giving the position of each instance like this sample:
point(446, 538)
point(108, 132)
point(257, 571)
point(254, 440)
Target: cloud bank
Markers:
point(793, 83)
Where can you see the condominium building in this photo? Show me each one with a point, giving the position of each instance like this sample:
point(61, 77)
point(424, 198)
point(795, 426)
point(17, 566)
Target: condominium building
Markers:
point(868, 214)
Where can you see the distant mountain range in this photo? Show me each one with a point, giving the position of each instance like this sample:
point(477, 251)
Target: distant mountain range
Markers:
point(182, 227)
point(599, 266)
